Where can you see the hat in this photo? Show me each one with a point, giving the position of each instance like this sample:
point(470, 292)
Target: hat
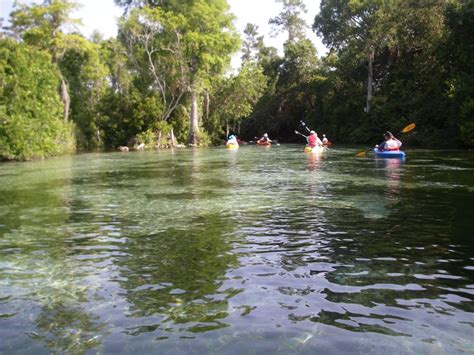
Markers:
point(265, 135)
point(312, 132)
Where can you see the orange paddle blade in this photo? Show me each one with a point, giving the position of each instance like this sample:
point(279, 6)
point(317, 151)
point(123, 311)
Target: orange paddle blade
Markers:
point(408, 128)
point(361, 154)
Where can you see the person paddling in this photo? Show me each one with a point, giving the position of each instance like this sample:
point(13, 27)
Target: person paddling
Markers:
point(232, 140)
point(325, 140)
point(264, 139)
point(313, 140)
point(390, 143)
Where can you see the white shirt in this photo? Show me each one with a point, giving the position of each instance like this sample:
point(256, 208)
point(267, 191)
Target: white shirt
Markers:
point(393, 144)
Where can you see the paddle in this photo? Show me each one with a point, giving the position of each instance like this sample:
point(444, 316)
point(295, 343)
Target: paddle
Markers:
point(304, 125)
point(300, 134)
point(405, 129)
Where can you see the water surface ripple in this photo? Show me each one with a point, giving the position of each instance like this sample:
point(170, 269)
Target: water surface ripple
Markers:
point(248, 251)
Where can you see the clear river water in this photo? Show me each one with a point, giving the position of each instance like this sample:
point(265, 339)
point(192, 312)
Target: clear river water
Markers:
point(238, 252)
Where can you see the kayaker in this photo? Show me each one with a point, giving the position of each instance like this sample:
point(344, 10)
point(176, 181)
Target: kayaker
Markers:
point(390, 143)
point(313, 140)
point(232, 140)
point(325, 140)
point(264, 139)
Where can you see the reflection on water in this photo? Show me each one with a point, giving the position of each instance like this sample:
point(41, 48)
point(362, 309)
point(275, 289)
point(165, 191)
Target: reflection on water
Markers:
point(313, 161)
point(252, 250)
point(393, 171)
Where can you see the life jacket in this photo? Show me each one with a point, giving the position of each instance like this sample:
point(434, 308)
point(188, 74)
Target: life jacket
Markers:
point(312, 138)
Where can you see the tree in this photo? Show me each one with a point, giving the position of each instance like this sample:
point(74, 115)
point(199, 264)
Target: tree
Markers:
point(365, 30)
point(31, 124)
point(235, 98)
point(457, 52)
point(84, 69)
point(210, 39)
point(154, 41)
point(130, 4)
point(352, 23)
point(289, 19)
point(42, 26)
point(182, 46)
point(252, 43)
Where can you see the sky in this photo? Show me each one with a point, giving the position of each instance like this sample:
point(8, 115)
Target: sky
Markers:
point(102, 15)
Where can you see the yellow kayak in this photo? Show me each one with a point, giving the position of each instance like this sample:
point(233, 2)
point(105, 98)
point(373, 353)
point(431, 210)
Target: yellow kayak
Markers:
point(314, 150)
point(231, 146)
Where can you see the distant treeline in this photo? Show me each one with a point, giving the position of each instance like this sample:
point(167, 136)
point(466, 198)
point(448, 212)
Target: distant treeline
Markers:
point(390, 63)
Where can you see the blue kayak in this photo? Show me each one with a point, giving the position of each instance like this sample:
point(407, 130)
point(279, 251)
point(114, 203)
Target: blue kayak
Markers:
point(389, 153)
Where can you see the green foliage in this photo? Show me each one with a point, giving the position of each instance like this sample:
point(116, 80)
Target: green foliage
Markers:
point(124, 115)
point(234, 99)
point(411, 79)
point(209, 39)
point(289, 98)
point(457, 53)
point(251, 44)
point(40, 25)
point(153, 40)
point(31, 124)
point(166, 70)
point(86, 74)
point(148, 138)
point(290, 19)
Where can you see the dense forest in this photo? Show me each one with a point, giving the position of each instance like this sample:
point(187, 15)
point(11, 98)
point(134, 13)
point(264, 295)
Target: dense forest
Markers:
point(166, 78)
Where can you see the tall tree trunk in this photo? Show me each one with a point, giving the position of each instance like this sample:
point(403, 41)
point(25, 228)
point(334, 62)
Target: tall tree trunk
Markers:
point(158, 141)
point(172, 139)
point(206, 103)
point(193, 119)
point(65, 98)
point(370, 79)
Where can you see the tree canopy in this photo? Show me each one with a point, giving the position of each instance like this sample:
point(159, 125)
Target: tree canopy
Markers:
point(389, 63)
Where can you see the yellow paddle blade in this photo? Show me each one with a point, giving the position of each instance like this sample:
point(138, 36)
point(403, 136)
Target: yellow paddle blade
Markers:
point(361, 154)
point(408, 128)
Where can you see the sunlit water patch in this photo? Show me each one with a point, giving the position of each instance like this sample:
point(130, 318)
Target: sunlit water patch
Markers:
point(254, 250)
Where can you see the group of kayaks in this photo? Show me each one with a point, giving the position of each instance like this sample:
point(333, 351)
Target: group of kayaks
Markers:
point(307, 149)
point(320, 149)
point(398, 154)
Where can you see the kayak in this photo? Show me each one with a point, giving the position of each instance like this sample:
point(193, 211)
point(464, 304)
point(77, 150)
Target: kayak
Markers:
point(264, 143)
point(314, 150)
point(231, 146)
point(389, 153)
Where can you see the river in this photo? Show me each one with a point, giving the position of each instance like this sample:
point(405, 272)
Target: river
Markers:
point(258, 250)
